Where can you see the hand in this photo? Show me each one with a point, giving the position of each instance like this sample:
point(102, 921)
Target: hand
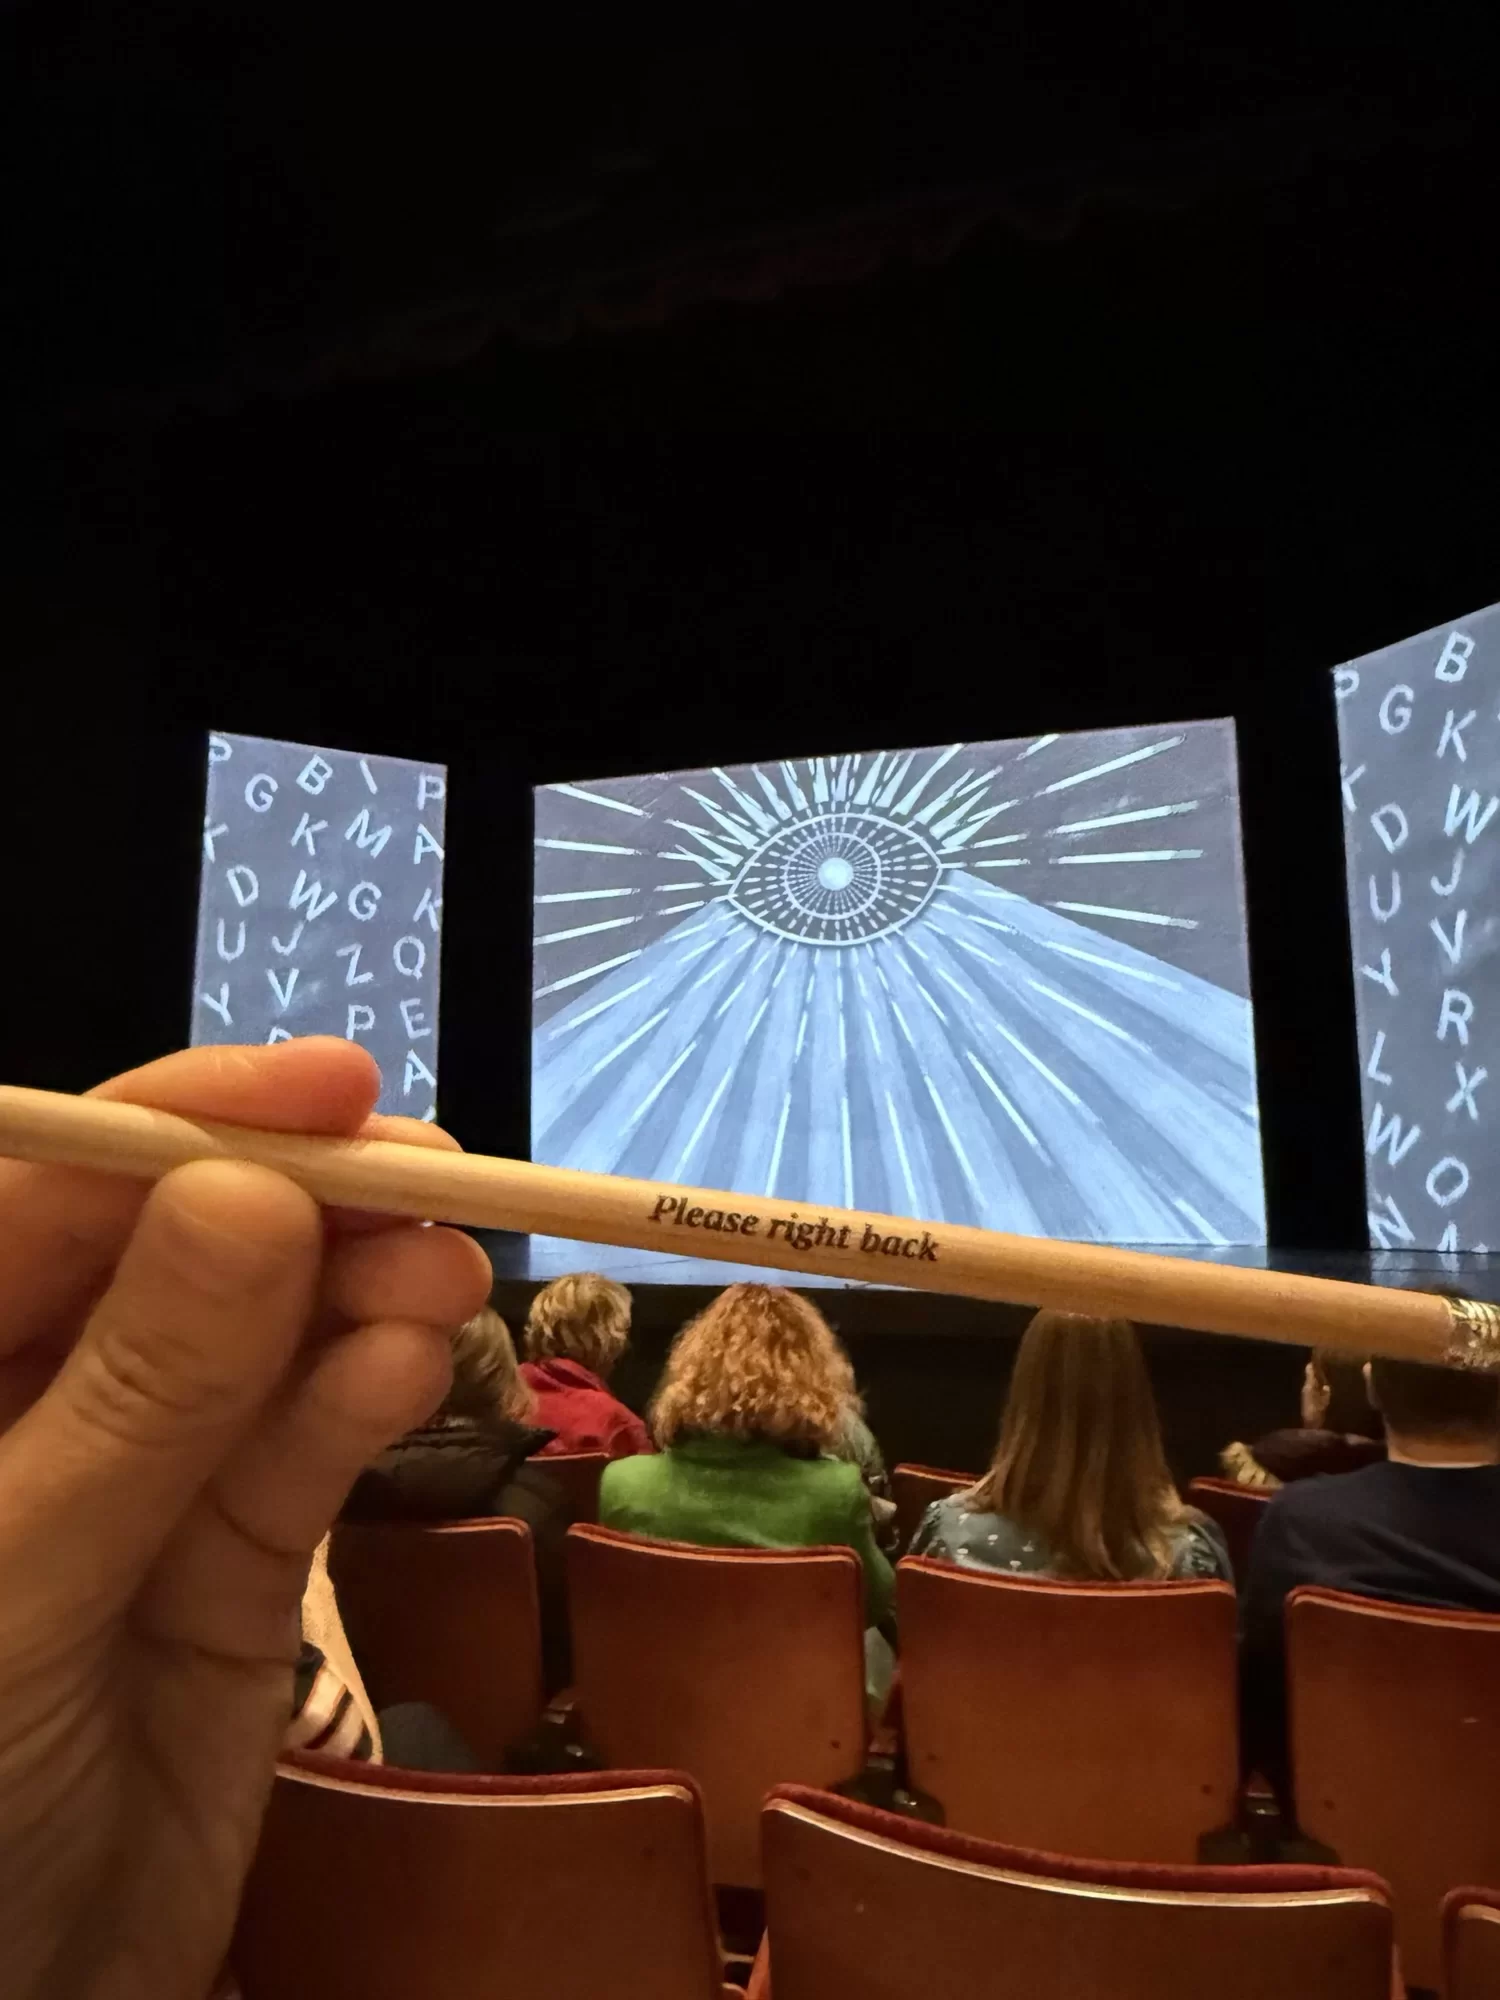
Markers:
point(191, 1377)
point(1316, 1396)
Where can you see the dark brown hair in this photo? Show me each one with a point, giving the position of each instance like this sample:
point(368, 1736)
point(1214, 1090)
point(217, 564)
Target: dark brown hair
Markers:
point(1425, 1401)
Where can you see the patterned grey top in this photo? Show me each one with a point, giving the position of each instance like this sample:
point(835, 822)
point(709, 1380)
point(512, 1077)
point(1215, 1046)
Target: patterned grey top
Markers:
point(989, 1541)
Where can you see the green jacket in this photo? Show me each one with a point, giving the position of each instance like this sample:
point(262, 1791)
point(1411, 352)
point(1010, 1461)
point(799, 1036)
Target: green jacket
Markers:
point(747, 1493)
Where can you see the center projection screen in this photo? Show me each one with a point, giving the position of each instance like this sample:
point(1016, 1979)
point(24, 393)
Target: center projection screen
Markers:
point(994, 983)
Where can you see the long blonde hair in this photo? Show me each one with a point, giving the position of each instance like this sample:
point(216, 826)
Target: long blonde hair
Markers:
point(1080, 1462)
point(582, 1318)
point(760, 1362)
point(487, 1385)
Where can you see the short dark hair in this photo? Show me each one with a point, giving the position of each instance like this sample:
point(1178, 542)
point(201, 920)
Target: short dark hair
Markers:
point(1350, 1411)
point(1418, 1398)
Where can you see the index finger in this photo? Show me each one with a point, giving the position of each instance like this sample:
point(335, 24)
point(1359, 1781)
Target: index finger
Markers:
point(64, 1228)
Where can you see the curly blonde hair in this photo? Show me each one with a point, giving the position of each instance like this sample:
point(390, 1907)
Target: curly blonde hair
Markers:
point(583, 1318)
point(760, 1362)
point(487, 1385)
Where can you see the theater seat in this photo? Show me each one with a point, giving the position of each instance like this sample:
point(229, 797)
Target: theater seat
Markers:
point(377, 1884)
point(578, 1473)
point(1080, 1718)
point(915, 1487)
point(1471, 1944)
point(448, 1615)
point(1238, 1510)
point(1395, 1740)
point(859, 1902)
point(743, 1666)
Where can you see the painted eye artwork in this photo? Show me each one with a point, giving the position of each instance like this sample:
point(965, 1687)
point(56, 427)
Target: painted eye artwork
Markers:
point(998, 983)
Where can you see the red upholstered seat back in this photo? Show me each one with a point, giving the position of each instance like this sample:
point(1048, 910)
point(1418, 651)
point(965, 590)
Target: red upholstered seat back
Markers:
point(578, 1473)
point(915, 1487)
point(1238, 1510)
point(448, 1615)
point(1471, 1944)
point(1079, 1718)
point(1395, 1729)
point(860, 1902)
point(391, 1884)
point(745, 1667)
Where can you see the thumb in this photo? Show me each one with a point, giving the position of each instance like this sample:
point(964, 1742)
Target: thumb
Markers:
point(204, 1314)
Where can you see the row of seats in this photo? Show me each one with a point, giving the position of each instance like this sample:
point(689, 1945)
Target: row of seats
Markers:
point(1095, 1719)
point(386, 1884)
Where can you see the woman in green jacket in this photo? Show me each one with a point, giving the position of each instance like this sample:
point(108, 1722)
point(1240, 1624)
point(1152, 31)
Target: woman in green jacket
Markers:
point(751, 1406)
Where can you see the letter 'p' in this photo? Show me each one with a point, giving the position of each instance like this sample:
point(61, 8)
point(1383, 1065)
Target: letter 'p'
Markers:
point(666, 1205)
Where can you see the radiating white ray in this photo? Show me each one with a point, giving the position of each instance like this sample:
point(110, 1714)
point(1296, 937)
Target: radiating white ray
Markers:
point(906, 1173)
point(587, 847)
point(708, 1111)
point(730, 822)
point(667, 888)
point(599, 799)
point(901, 1024)
point(1041, 1068)
point(588, 972)
point(778, 804)
point(1006, 1106)
point(583, 895)
point(924, 817)
point(1040, 744)
point(715, 847)
point(1012, 861)
point(659, 1086)
point(672, 909)
point(1129, 916)
point(587, 930)
point(564, 1026)
point(954, 1141)
point(999, 840)
point(729, 998)
point(848, 1153)
point(1125, 819)
point(786, 1110)
point(1114, 764)
point(753, 810)
point(970, 827)
point(926, 778)
point(1113, 965)
point(1130, 854)
point(1087, 1014)
point(1200, 1223)
point(897, 778)
point(799, 797)
point(620, 1047)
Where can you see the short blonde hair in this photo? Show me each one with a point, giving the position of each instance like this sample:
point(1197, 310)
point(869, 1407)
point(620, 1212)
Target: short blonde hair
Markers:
point(583, 1318)
point(760, 1362)
point(487, 1382)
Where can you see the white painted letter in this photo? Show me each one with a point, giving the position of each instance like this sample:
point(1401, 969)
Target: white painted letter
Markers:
point(230, 956)
point(1383, 916)
point(1345, 682)
point(311, 893)
point(360, 1017)
point(430, 785)
point(1390, 1135)
point(221, 1005)
point(307, 826)
point(283, 993)
point(1401, 711)
point(1395, 835)
point(1384, 977)
point(359, 830)
point(246, 890)
point(1452, 946)
point(314, 774)
point(1467, 1085)
point(210, 834)
point(1453, 732)
point(260, 791)
point(363, 899)
point(428, 907)
point(1447, 888)
point(1458, 1187)
point(1454, 658)
point(1459, 1009)
point(1372, 1069)
point(1348, 780)
point(420, 950)
point(416, 1071)
point(220, 749)
point(353, 977)
point(1468, 812)
point(412, 1017)
point(424, 844)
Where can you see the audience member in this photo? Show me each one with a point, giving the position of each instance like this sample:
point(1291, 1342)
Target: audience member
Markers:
point(576, 1331)
point(755, 1394)
point(1420, 1528)
point(1340, 1431)
point(479, 1455)
point(191, 1376)
point(1079, 1487)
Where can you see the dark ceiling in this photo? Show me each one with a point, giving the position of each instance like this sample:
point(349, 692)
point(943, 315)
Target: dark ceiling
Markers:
point(211, 200)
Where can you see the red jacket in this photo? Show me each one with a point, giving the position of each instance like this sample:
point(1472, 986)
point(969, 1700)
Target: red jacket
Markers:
point(571, 1400)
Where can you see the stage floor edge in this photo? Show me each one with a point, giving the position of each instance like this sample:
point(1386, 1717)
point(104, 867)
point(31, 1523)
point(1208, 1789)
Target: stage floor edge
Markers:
point(539, 1258)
